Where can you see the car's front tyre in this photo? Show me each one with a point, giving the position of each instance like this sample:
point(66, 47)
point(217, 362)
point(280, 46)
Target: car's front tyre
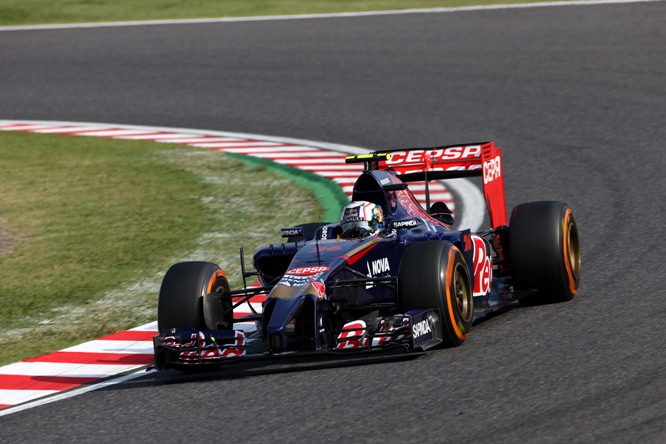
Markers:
point(434, 275)
point(184, 287)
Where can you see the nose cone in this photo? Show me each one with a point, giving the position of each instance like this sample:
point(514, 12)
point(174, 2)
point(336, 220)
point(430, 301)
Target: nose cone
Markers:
point(289, 318)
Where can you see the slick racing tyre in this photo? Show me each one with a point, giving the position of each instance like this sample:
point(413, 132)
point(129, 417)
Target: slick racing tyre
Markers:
point(184, 287)
point(544, 251)
point(434, 275)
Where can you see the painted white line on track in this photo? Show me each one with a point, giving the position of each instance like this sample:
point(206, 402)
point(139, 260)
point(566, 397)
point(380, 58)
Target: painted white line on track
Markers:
point(24, 127)
point(102, 346)
point(319, 16)
point(114, 133)
point(283, 149)
point(71, 393)
point(317, 154)
point(298, 162)
point(340, 168)
point(66, 369)
point(240, 144)
point(201, 139)
point(334, 174)
point(61, 130)
point(161, 137)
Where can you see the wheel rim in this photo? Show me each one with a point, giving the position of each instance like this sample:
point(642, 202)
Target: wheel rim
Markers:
point(573, 250)
point(463, 294)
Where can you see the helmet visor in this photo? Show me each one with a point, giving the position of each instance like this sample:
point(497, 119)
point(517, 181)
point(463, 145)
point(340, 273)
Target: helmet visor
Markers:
point(354, 225)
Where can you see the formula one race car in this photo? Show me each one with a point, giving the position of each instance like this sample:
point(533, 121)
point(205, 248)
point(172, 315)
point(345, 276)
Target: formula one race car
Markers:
point(390, 275)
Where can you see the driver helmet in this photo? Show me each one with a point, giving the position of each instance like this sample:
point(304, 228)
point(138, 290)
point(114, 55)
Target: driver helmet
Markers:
point(361, 219)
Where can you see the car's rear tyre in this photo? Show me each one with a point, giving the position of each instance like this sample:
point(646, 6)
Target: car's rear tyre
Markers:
point(544, 251)
point(181, 300)
point(434, 275)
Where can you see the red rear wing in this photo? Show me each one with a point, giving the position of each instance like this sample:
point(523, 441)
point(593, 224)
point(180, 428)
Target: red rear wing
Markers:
point(448, 162)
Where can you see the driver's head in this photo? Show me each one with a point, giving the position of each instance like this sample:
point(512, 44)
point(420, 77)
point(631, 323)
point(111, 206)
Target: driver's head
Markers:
point(361, 219)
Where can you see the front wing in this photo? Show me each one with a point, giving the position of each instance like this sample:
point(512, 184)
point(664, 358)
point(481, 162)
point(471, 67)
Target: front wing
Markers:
point(416, 330)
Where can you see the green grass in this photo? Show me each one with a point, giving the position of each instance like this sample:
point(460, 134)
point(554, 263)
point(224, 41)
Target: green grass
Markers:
point(24, 12)
point(88, 226)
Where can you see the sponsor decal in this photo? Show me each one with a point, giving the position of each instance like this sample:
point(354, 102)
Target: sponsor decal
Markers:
point(302, 276)
point(227, 350)
point(207, 347)
point(170, 341)
point(325, 248)
point(307, 271)
point(324, 232)
point(375, 268)
point(354, 335)
point(472, 152)
point(407, 223)
point(379, 266)
point(320, 289)
point(408, 202)
point(396, 333)
point(391, 196)
point(421, 328)
point(492, 169)
point(483, 270)
point(291, 280)
point(467, 242)
point(291, 232)
point(351, 215)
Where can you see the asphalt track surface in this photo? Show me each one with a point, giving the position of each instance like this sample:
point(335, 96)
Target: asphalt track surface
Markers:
point(576, 96)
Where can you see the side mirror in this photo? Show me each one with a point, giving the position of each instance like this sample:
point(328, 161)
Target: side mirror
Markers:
point(441, 212)
point(443, 217)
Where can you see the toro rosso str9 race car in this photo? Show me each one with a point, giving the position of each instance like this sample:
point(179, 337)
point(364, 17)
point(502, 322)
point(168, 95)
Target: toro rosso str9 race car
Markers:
point(389, 275)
